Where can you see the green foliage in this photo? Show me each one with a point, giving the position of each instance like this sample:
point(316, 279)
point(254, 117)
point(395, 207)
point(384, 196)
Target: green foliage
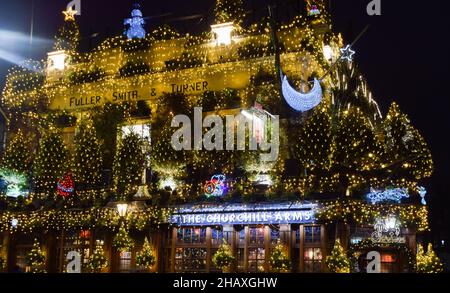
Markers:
point(355, 144)
point(87, 161)
point(337, 261)
point(18, 156)
point(122, 241)
point(223, 257)
point(129, 164)
point(407, 153)
point(429, 262)
point(97, 261)
point(279, 260)
point(315, 141)
point(146, 257)
point(51, 162)
point(229, 11)
point(35, 259)
point(68, 37)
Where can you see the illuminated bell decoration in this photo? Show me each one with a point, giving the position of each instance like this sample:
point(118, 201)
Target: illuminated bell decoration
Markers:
point(422, 193)
point(216, 186)
point(66, 186)
point(56, 61)
point(136, 24)
point(299, 101)
point(222, 33)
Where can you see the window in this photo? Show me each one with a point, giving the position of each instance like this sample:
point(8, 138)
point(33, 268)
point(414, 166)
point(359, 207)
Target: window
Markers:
point(256, 259)
point(388, 262)
point(191, 235)
point(313, 260)
point(217, 236)
point(297, 236)
point(125, 261)
point(190, 259)
point(275, 235)
point(312, 234)
point(256, 235)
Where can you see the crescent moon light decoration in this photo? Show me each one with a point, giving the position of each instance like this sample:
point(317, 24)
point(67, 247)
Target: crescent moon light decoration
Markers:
point(302, 101)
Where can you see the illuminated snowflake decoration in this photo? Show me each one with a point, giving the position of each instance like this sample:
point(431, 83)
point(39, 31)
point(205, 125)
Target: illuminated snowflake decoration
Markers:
point(389, 195)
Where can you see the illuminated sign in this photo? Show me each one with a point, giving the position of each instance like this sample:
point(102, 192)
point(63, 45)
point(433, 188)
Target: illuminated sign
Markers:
point(387, 230)
point(244, 215)
point(216, 186)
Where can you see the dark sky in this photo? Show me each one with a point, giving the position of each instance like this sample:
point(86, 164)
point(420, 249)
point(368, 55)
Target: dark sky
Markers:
point(404, 55)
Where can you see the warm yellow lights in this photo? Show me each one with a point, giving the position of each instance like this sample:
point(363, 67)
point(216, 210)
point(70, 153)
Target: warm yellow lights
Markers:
point(122, 209)
point(223, 33)
point(69, 14)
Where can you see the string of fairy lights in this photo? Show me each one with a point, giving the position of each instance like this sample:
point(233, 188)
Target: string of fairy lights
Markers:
point(332, 147)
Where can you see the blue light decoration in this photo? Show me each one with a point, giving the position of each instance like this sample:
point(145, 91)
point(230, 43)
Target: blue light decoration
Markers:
point(13, 184)
point(302, 101)
point(388, 195)
point(347, 53)
point(135, 24)
point(216, 186)
point(14, 223)
point(244, 214)
point(422, 193)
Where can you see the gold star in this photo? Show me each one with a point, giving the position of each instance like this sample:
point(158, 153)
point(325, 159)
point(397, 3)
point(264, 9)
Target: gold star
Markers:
point(69, 14)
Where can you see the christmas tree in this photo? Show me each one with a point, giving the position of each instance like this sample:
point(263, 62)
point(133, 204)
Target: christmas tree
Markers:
point(223, 258)
point(406, 152)
point(355, 146)
point(35, 259)
point(338, 261)
point(68, 36)
point(279, 261)
point(97, 261)
point(314, 142)
point(146, 257)
point(229, 11)
point(87, 157)
point(129, 164)
point(51, 162)
point(18, 156)
point(428, 262)
point(122, 241)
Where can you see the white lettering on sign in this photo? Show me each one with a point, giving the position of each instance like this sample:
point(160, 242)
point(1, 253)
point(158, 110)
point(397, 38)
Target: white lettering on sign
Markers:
point(273, 217)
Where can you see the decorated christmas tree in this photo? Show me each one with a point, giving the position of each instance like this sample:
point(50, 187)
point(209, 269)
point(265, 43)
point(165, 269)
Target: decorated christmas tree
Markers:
point(229, 11)
point(87, 157)
point(122, 241)
point(428, 262)
point(97, 261)
point(407, 155)
point(146, 258)
point(223, 258)
point(337, 261)
point(129, 165)
point(51, 162)
point(18, 156)
point(68, 36)
point(35, 259)
point(279, 260)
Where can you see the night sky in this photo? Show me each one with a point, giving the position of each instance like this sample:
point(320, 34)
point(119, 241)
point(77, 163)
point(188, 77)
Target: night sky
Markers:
point(404, 55)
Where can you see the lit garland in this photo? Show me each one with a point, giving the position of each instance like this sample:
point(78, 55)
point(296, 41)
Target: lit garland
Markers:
point(67, 220)
point(363, 213)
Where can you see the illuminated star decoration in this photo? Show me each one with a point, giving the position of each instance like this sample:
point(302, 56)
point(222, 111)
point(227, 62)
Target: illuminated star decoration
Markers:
point(69, 14)
point(347, 53)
